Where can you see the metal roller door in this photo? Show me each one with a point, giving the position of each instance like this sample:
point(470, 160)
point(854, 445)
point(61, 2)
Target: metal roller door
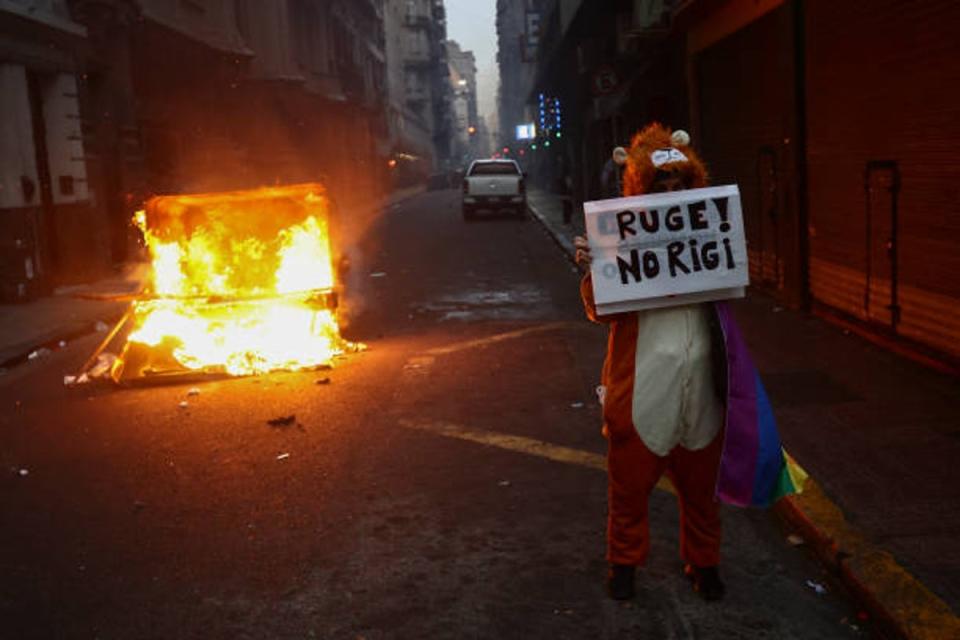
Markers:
point(883, 133)
point(745, 103)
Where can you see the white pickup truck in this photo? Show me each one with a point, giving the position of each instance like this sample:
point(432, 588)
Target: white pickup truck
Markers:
point(494, 185)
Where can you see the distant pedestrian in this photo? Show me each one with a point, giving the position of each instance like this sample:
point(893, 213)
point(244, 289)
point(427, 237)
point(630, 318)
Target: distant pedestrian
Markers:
point(563, 186)
point(611, 179)
point(680, 396)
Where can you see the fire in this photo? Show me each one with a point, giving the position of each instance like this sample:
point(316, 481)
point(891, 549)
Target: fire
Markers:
point(242, 283)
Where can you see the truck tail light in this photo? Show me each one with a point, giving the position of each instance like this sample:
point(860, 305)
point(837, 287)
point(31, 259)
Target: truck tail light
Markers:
point(466, 186)
point(522, 186)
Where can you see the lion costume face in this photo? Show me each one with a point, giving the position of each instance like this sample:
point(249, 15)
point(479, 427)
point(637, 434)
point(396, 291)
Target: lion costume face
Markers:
point(658, 155)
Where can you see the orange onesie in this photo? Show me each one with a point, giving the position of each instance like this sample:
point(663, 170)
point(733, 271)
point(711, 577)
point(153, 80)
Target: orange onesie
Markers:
point(633, 467)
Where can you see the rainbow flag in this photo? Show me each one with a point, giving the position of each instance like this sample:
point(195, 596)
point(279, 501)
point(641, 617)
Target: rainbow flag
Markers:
point(755, 470)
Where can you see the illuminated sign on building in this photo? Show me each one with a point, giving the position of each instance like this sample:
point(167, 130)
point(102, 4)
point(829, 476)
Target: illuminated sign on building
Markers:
point(550, 116)
point(526, 131)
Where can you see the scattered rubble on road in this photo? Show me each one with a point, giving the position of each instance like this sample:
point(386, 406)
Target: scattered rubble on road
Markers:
point(322, 381)
point(850, 625)
point(193, 392)
point(103, 366)
point(283, 421)
point(99, 370)
point(795, 540)
point(576, 405)
point(816, 586)
point(184, 404)
point(38, 353)
point(283, 456)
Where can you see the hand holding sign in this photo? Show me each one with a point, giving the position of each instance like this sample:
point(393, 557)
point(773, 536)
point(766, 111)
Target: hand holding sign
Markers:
point(666, 249)
point(583, 255)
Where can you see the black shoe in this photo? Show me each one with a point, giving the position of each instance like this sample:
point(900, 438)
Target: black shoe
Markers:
point(620, 582)
point(706, 581)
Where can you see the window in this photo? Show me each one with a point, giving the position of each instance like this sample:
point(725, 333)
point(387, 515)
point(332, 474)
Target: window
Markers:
point(66, 185)
point(494, 169)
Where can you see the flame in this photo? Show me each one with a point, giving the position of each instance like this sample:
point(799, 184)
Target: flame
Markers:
point(241, 283)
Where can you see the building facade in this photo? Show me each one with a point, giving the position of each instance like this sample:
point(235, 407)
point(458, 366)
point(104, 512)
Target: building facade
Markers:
point(518, 42)
point(466, 119)
point(842, 141)
point(49, 218)
point(411, 124)
point(106, 102)
point(417, 32)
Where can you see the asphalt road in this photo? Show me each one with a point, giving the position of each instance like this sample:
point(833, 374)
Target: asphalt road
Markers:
point(446, 483)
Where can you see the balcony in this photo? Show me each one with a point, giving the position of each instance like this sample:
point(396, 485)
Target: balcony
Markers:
point(417, 60)
point(417, 21)
point(417, 95)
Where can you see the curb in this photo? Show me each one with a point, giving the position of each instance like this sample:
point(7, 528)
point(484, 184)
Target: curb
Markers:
point(555, 234)
point(19, 354)
point(900, 605)
point(402, 195)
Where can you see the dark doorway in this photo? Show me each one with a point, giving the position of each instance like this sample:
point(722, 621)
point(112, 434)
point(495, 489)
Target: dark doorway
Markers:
point(882, 190)
point(49, 256)
point(768, 218)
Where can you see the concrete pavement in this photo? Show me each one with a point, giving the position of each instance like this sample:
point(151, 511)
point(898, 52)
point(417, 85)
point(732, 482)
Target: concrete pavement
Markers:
point(68, 314)
point(875, 432)
point(446, 483)
point(878, 435)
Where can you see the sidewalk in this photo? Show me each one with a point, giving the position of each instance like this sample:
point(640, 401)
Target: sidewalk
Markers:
point(878, 435)
point(70, 313)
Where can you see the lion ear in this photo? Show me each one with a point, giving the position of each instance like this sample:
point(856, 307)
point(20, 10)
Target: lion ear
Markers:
point(680, 138)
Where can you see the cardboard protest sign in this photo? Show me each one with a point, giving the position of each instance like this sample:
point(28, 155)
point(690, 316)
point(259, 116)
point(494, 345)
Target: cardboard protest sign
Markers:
point(667, 249)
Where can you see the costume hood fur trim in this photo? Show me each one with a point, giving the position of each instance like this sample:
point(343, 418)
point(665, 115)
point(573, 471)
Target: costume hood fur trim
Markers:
point(656, 148)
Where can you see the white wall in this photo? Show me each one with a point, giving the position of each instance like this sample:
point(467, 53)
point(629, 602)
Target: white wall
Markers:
point(61, 114)
point(65, 154)
point(17, 153)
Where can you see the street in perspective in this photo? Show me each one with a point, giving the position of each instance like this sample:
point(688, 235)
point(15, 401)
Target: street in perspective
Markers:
point(457, 319)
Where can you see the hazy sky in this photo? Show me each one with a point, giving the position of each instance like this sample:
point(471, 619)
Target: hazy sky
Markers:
point(472, 23)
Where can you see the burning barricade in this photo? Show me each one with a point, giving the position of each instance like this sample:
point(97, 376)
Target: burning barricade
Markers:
point(242, 283)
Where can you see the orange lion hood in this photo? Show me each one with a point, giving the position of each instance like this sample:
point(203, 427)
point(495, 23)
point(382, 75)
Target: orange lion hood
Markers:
point(658, 149)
